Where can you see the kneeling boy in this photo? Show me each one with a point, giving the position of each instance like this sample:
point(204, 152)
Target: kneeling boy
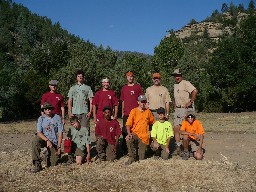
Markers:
point(80, 140)
point(107, 133)
point(161, 134)
point(193, 134)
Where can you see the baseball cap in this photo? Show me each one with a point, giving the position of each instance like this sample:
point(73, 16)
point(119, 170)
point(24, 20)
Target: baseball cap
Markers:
point(129, 73)
point(176, 72)
point(47, 105)
point(142, 98)
point(156, 75)
point(53, 82)
point(106, 79)
point(160, 110)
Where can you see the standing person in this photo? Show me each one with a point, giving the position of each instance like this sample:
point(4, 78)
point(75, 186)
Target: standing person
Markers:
point(193, 135)
point(161, 134)
point(104, 97)
point(158, 96)
point(78, 97)
point(54, 98)
point(80, 139)
point(129, 97)
point(184, 96)
point(107, 132)
point(49, 134)
point(137, 126)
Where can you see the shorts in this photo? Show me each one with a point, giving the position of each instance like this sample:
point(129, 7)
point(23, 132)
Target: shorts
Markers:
point(194, 144)
point(180, 115)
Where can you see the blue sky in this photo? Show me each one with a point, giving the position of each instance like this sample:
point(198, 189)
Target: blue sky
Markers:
point(124, 25)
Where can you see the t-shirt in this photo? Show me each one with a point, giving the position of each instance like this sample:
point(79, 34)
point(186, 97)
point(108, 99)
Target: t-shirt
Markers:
point(108, 130)
point(79, 136)
point(102, 99)
point(157, 96)
point(195, 128)
point(139, 122)
point(162, 131)
point(182, 91)
point(80, 95)
point(129, 95)
point(56, 99)
point(50, 127)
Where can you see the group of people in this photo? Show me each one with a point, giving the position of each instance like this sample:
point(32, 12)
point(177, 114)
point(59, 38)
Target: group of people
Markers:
point(145, 121)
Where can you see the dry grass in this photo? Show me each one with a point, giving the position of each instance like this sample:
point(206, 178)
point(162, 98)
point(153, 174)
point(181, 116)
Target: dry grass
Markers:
point(148, 175)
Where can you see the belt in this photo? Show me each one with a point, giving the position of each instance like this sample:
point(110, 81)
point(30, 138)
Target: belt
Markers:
point(182, 107)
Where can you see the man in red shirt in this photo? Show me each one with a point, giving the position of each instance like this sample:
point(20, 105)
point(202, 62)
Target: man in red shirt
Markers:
point(107, 132)
point(55, 99)
point(102, 98)
point(129, 97)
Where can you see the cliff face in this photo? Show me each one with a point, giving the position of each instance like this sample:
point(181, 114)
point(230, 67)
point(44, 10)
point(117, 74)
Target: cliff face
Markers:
point(214, 30)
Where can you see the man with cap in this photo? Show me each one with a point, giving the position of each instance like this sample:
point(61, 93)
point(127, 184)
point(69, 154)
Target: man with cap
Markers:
point(104, 97)
point(129, 97)
point(54, 98)
point(193, 135)
point(49, 134)
point(161, 134)
point(78, 97)
point(184, 96)
point(107, 132)
point(137, 125)
point(158, 96)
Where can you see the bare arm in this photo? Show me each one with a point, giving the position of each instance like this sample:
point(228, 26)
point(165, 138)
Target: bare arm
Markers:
point(63, 114)
point(116, 112)
point(91, 109)
point(123, 109)
point(70, 114)
point(94, 113)
point(167, 107)
point(42, 113)
point(42, 136)
point(88, 157)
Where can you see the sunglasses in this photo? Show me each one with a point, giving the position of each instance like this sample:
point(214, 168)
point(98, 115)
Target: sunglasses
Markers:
point(48, 109)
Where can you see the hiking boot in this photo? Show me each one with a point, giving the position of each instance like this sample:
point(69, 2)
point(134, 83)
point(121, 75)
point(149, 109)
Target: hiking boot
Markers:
point(185, 155)
point(36, 167)
point(129, 162)
point(176, 151)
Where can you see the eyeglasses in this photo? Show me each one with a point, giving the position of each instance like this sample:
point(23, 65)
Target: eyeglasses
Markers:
point(48, 109)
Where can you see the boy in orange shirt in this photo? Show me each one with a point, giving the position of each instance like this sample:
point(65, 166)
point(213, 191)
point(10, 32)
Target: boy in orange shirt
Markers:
point(137, 126)
point(193, 134)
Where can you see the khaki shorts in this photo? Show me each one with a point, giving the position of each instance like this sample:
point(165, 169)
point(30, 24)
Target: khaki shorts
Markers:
point(180, 115)
point(194, 145)
point(79, 152)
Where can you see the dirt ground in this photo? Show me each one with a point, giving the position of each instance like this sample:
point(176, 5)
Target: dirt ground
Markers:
point(228, 164)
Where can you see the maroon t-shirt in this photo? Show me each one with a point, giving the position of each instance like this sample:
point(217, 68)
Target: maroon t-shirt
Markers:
point(103, 99)
point(56, 99)
point(129, 95)
point(109, 130)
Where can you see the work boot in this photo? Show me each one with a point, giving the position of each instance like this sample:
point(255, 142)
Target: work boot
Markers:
point(36, 167)
point(176, 151)
point(129, 162)
point(185, 155)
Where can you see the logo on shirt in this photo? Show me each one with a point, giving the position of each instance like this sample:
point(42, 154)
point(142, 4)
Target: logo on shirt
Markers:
point(161, 95)
point(132, 92)
point(109, 97)
point(111, 129)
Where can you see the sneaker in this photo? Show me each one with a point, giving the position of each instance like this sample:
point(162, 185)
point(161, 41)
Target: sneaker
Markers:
point(185, 155)
point(176, 151)
point(129, 162)
point(36, 167)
